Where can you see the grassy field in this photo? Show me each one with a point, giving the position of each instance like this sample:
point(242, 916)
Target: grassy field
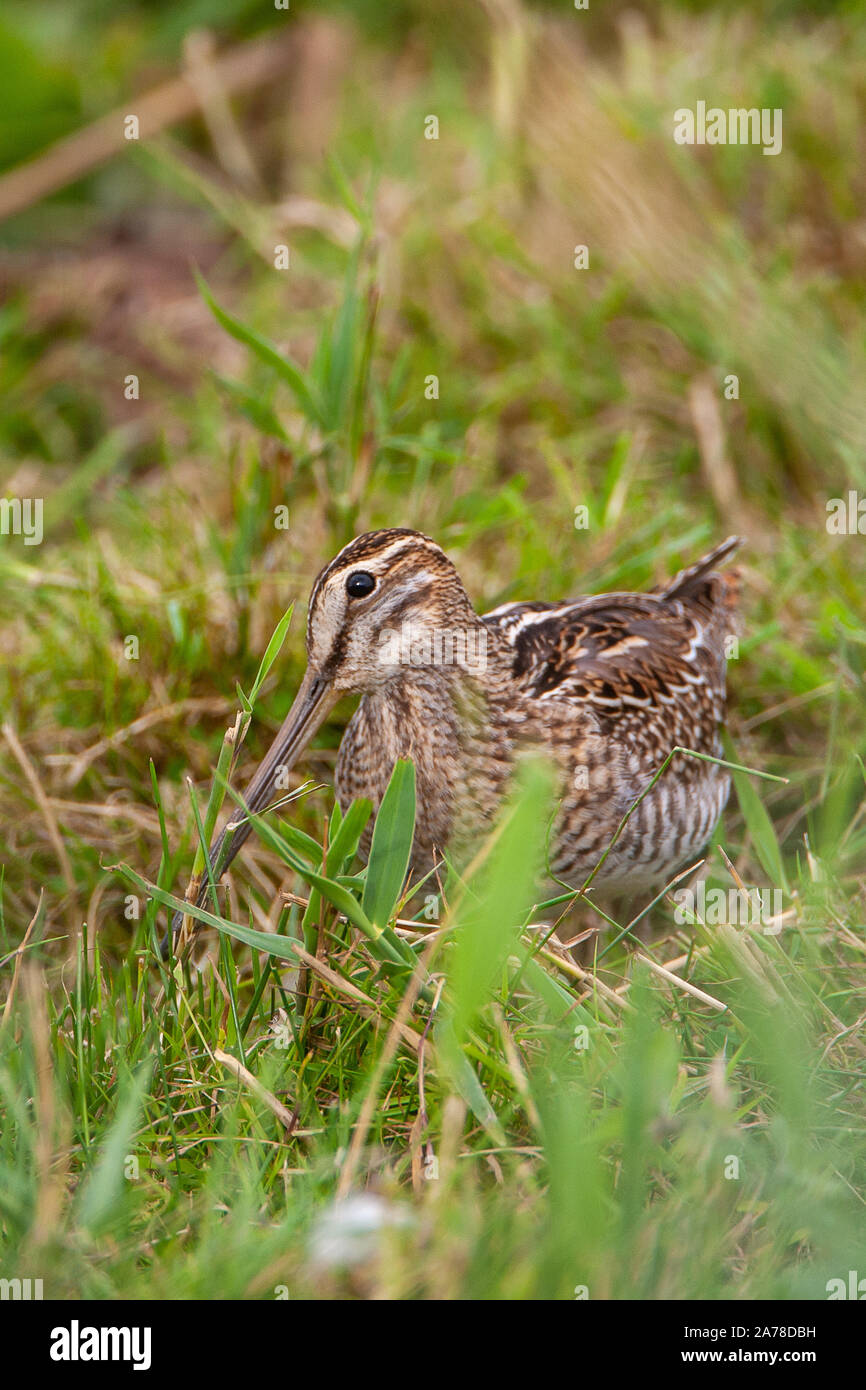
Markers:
point(286, 314)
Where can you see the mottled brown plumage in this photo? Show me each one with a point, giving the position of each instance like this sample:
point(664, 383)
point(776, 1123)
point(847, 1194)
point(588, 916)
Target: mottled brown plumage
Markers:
point(605, 685)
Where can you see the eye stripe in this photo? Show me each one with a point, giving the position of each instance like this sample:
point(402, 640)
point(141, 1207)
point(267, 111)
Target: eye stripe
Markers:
point(383, 547)
point(404, 599)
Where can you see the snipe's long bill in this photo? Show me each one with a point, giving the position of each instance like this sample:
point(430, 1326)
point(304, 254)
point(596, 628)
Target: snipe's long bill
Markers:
point(608, 685)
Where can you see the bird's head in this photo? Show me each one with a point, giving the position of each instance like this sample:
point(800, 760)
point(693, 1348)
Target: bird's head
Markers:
point(390, 599)
point(389, 604)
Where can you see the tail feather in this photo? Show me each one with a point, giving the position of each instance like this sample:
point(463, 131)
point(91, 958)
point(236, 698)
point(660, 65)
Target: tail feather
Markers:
point(686, 583)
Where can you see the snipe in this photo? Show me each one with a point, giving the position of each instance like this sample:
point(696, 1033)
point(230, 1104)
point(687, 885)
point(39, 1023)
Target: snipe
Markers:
point(607, 685)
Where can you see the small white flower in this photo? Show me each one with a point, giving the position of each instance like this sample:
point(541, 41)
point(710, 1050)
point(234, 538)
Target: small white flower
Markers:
point(350, 1232)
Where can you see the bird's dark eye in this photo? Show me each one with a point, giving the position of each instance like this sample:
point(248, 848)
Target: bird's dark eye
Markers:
point(359, 584)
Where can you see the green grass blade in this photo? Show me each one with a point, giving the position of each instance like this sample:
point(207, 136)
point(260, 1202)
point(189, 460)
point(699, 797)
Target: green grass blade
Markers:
point(391, 846)
point(758, 823)
point(286, 370)
point(103, 1189)
point(272, 651)
point(499, 894)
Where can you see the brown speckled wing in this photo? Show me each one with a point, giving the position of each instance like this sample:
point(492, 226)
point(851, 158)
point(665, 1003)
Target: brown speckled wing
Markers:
point(650, 666)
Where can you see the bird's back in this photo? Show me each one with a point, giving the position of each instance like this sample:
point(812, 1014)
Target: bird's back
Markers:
point(612, 683)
